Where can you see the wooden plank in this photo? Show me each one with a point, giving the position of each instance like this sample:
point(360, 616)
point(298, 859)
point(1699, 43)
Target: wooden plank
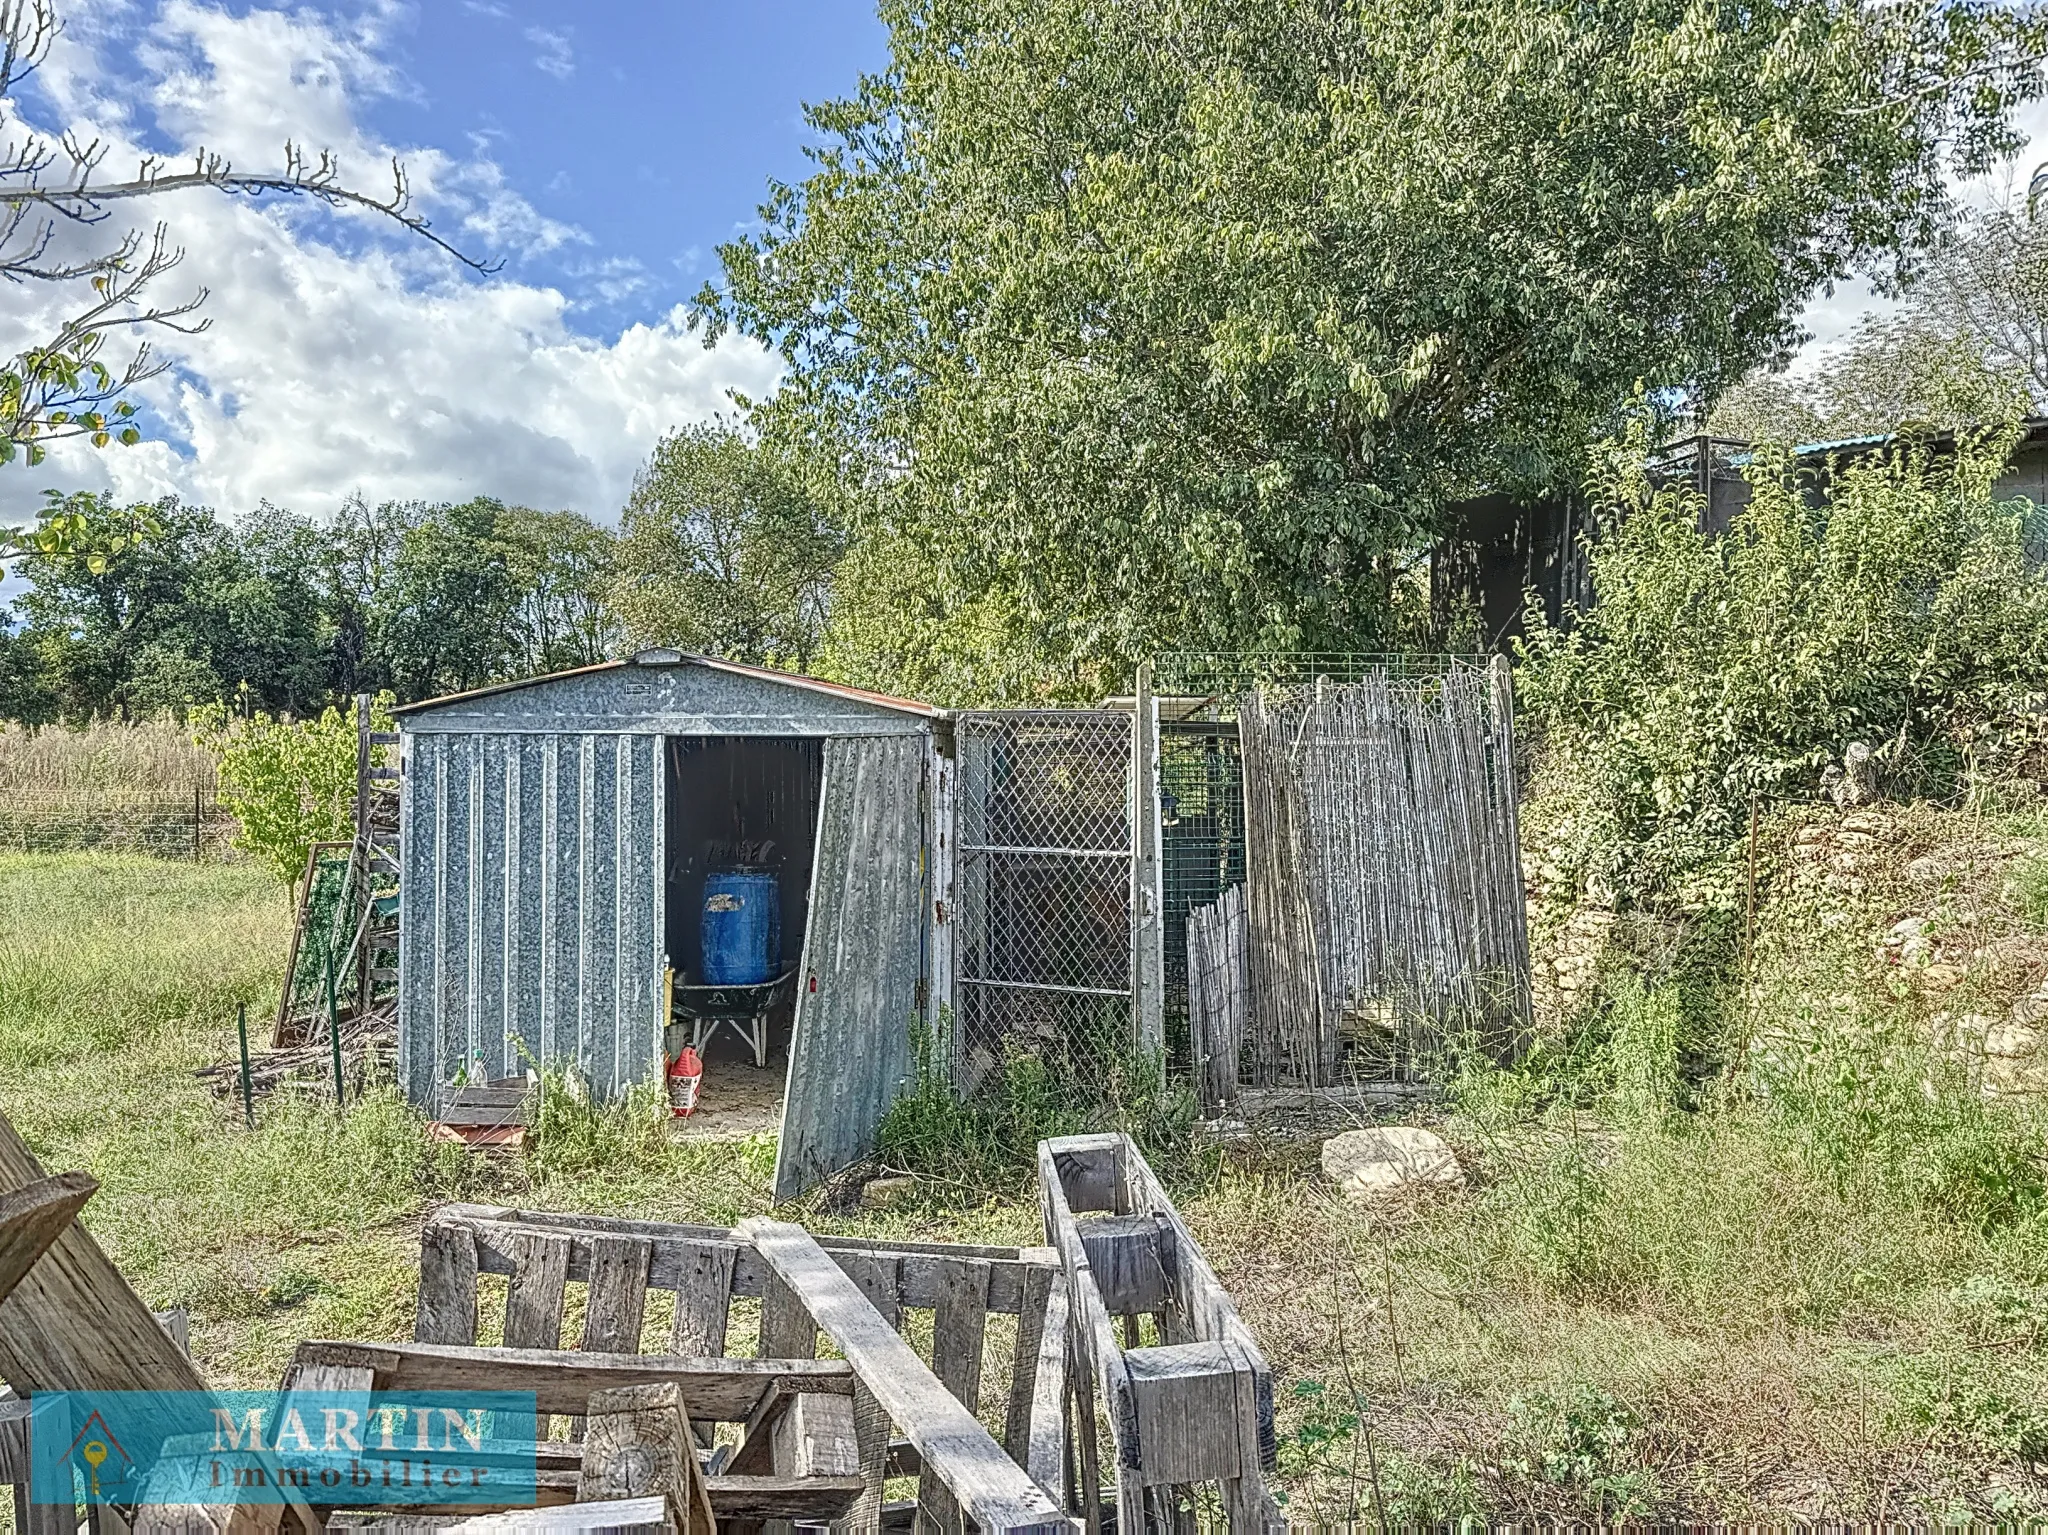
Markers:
point(990, 1488)
point(809, 1500)
point(1046, 1448)
point(714, 1390)
point(637, 1443)
point(627, 1516)
point(703, 1297)
point(1124, 1252)
point(756, 1452)
point(497, 1229)
point(533, 1305)
point(35, 1215)
point(72, 1323)
point(447, 1296)
point(787, 1331)
point(959, 1325)
point(816, 1438)
point(618, 1294)
point(616, 1300)
point(1031, 1323)
point(176, 1321)
point(1185, 1396)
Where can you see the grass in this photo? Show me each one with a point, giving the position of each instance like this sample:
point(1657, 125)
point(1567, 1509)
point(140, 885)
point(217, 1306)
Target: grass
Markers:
point(153, 756)
point(1812, 1285)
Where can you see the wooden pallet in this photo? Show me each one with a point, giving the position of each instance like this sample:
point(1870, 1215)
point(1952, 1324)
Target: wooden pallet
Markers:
point(1196, 1406)
point(619, 1262)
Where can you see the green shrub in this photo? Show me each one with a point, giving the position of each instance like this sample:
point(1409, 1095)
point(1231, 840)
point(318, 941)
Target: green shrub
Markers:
point(290, 783)
point(987, 1143)
point(1907, 615)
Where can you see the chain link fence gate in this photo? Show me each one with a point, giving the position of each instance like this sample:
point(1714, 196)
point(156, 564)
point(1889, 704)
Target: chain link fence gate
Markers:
point(1042, 888)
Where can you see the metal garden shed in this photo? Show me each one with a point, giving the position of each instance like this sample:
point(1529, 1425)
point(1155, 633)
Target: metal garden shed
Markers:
point(554, 836)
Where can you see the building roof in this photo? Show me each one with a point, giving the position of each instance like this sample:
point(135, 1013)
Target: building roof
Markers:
point(671, 658)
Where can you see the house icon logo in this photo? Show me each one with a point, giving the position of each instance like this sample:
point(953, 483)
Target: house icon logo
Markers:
point(99, 1453)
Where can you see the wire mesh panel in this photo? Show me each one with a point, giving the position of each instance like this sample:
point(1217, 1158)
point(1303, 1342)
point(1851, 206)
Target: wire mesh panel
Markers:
point(1201, 842)
point(1042, 884)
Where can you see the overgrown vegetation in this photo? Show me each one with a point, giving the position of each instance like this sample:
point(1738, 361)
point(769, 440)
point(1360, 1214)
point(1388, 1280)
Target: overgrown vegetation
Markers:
point(985, 1145)
point(1907, 620)
point(290, 783)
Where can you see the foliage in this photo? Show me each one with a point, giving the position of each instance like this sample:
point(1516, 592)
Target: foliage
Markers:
point(723, 552)
point(1968, 347)
point(1169, 323)
point(134, 611)
point(290, 783)
point(987, 1142)
point(2030, 891)
point(1581, 1439)
point(1715, 672)
point(1894, 371)
point(573, 1136)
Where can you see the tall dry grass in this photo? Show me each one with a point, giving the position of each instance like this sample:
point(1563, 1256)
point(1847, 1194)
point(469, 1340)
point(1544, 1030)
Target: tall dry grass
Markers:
point(156, 756)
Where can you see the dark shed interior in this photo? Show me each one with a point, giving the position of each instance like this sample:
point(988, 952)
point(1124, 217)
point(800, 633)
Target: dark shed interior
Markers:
point(740, 799)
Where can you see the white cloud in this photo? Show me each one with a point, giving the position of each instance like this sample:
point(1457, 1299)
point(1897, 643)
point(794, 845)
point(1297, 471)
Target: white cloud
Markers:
point(554, 57)
point(343, 357)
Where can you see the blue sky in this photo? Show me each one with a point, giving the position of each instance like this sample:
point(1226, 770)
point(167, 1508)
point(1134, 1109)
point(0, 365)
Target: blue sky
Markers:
point(653, 127)
point(600, 151)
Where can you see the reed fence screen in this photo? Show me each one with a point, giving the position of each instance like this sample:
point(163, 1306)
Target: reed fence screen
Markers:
point(1382, 910)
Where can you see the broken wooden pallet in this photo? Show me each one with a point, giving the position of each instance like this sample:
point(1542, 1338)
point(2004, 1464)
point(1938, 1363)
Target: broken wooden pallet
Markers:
point(1194, 1407)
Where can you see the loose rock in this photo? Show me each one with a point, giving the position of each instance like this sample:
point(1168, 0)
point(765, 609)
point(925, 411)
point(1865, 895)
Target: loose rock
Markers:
point(1370, 1165)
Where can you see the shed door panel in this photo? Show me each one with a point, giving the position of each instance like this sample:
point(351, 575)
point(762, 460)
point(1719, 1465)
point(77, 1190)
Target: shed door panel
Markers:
point(863, 950)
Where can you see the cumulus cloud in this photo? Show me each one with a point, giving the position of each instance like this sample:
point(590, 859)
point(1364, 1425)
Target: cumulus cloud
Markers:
point(344, 356)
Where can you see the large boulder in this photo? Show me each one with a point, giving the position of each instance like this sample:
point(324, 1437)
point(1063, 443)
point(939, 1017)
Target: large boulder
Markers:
point(1372, 1164)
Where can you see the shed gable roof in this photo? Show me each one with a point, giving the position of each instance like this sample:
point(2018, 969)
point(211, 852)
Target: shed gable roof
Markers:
point(672, 693)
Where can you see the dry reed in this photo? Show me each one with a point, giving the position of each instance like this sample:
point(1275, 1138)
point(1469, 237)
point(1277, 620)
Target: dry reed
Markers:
point(156, 756)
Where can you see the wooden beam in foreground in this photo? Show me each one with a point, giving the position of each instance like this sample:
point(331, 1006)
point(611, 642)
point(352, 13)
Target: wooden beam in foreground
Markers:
point(713, 1390)
point(71, 1322)
point(990, 1488)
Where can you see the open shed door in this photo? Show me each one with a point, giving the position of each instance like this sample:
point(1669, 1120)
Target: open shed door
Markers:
point(863, 952)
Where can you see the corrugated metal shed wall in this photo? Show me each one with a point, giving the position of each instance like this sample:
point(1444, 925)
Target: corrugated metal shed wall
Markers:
point(532, 905)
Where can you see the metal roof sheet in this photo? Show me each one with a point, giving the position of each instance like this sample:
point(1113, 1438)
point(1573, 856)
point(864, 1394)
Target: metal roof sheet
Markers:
point(650, 658)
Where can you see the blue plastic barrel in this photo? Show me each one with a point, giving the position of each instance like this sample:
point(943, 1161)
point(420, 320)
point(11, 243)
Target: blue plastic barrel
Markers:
point(742, 937)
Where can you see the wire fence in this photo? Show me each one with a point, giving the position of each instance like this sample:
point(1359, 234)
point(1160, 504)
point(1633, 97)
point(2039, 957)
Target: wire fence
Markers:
point(1042, 884)
point(191, 825)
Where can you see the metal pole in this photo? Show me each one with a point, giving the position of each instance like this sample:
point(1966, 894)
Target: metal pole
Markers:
point(334, 1030)
point(248, 1091)
point(197, 813)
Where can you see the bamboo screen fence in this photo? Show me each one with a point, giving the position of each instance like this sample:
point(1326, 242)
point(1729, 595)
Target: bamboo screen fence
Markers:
point(1382, 908)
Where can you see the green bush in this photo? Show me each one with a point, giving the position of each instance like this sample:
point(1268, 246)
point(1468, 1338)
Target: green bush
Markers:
point(1905, 615)
point(290, 783)
point(987, 1143)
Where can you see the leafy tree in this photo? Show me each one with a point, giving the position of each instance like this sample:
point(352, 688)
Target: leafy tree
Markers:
point(1165, 323)
point(1908, 615)
point(723, 552)
point(1969, 347)
point(290, 783)
point(447, 619)
point(561, 565)
point(103, 627)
